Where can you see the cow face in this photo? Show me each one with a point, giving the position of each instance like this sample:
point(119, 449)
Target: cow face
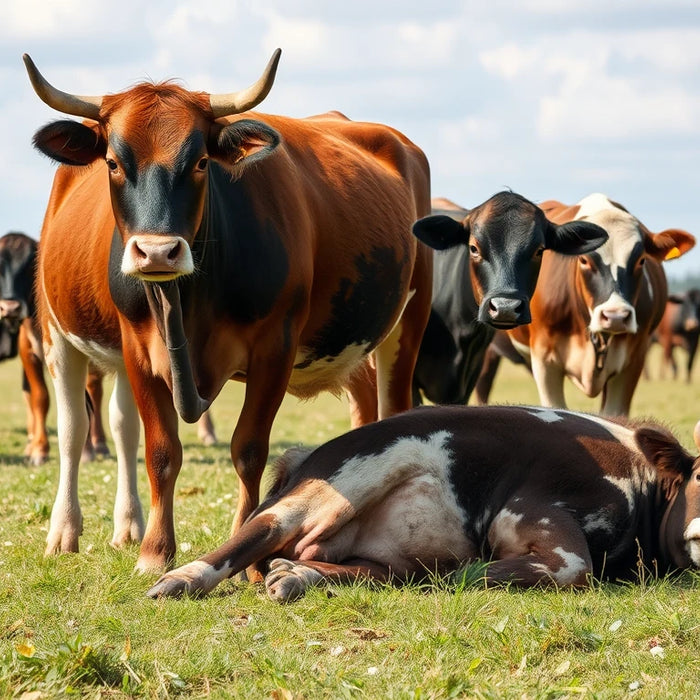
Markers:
point(505, 238)
point(610, 278)
point(157, 142)
point(678, 479)
point(17, 260)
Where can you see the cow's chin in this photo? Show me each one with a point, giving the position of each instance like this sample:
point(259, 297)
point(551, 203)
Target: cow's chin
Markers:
point(502, 326)
point(157, 276)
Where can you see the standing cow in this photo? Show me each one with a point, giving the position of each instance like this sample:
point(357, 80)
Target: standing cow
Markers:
point(438, 487)
point(20, 334)
point(680, 327)
point(483, 280)
point(189, 242)
point(592, 316)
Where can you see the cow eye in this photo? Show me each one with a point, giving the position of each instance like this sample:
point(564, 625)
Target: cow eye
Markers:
point(202, 164)
point(641, 262)
point(539, 252)
point(583, 262)
point(474, 252)
point(112, 164)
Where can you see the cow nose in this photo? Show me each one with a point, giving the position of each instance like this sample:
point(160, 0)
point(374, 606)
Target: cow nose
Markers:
point(507, 311)
point(156, 257)
point(9, 308)
point(615, 319)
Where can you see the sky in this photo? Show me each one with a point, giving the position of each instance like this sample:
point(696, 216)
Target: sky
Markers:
point(554, 99)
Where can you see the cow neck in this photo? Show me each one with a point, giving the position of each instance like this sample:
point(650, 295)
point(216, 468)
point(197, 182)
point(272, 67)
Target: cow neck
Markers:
point(164, 302)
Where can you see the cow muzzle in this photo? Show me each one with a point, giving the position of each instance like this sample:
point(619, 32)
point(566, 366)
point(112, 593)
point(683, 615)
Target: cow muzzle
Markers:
point(157, 258)
point(614, 316)
point(504, 311)
point(12, 313)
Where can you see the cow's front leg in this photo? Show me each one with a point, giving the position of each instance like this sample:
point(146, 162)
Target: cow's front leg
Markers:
point(549, 378)
point(288, 580)
point(125, 425)
point(619, 389)
point(68, 368)
point(543, 548)
point(163, 462)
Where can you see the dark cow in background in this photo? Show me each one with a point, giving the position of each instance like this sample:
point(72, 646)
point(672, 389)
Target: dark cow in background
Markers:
point(679, 328)
point(188, 242)
point(592, 316)
point(439, 487)
point(20, 335)
point(483, 280)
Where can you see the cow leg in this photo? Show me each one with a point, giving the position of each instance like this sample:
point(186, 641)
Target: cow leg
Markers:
point(549, 379)
point(361, 389)
point(68, 367)
point(289, 580)
point(97, 437)
point(545, 548)
point(163, 463)
point(205, 430)
point(692, 349)
point(395, 357)
point(125, 426)
point(484, 383)
point(37, 396)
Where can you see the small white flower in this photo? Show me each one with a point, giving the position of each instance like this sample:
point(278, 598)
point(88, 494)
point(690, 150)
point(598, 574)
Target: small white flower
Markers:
point(337, 651)
point(634, 685)
point(372, 671)
point(107, 478)
point(657, 651)
point(206, 530)
point(185, 546)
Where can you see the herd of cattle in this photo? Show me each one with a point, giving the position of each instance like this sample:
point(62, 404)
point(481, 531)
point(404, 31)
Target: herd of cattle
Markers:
point(189, 241)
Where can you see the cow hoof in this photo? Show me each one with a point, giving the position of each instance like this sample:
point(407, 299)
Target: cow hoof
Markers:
point(288, 580)
point(169, 586)
point(101, 449)
point(36, 459)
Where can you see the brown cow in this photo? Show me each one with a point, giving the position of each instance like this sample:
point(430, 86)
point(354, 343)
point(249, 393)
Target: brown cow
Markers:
point(204, 245)
point(20, 335)
point(437, 487)
point(679, 328)
point(592, 316)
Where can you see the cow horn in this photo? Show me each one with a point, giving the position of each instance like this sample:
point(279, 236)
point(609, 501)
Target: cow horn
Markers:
point(236, 102)
point(77, 105)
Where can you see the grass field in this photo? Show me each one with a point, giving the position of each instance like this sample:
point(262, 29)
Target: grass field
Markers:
point(80, 625)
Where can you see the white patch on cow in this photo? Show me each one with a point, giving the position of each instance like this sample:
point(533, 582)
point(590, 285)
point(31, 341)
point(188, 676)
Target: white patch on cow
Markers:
point(545, 414)
point(522, 348)
point(325, 373)
point(569, 572)
point(544, 521)
point(598, 522)
point(692, 540)
point(199, 576)
point(626, 486)
point(504, 529)
point(592, 204)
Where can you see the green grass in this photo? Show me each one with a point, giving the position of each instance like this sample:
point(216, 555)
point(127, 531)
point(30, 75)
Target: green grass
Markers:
point(80, 625)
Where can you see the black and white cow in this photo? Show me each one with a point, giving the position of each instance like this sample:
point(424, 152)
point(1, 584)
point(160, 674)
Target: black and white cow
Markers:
point(483, 279)
point(438, 487)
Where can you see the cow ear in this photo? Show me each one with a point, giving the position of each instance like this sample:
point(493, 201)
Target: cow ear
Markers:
point(244, 142)
point(574, 237)
point(71, 143)
point(668, 244)
point(440, 232)
point(664, 452)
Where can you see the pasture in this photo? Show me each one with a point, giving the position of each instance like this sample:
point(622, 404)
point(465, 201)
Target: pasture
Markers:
point(81, 625)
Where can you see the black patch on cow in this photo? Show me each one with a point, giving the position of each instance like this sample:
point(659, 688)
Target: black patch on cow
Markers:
point(362, 308)
point(241, 261)
point(127, 292)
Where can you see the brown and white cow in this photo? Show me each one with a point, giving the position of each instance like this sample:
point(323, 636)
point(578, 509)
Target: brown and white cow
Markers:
point(438, 487)
point(188, 242)
point(592, 316)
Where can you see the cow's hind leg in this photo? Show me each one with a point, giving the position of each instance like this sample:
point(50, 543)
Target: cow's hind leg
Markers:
point(288, 580)
point(36, 395)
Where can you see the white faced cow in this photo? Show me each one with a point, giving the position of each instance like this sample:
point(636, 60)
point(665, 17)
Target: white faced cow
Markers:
point(592, 317)
point(437, 487)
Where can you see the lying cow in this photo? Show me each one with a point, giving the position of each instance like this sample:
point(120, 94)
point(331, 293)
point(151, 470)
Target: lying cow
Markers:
point(680, 327)
point(592, 316)
point(483, 280)
point(437, 487)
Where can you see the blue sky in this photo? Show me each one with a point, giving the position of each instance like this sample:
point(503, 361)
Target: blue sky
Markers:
point(554, 99)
